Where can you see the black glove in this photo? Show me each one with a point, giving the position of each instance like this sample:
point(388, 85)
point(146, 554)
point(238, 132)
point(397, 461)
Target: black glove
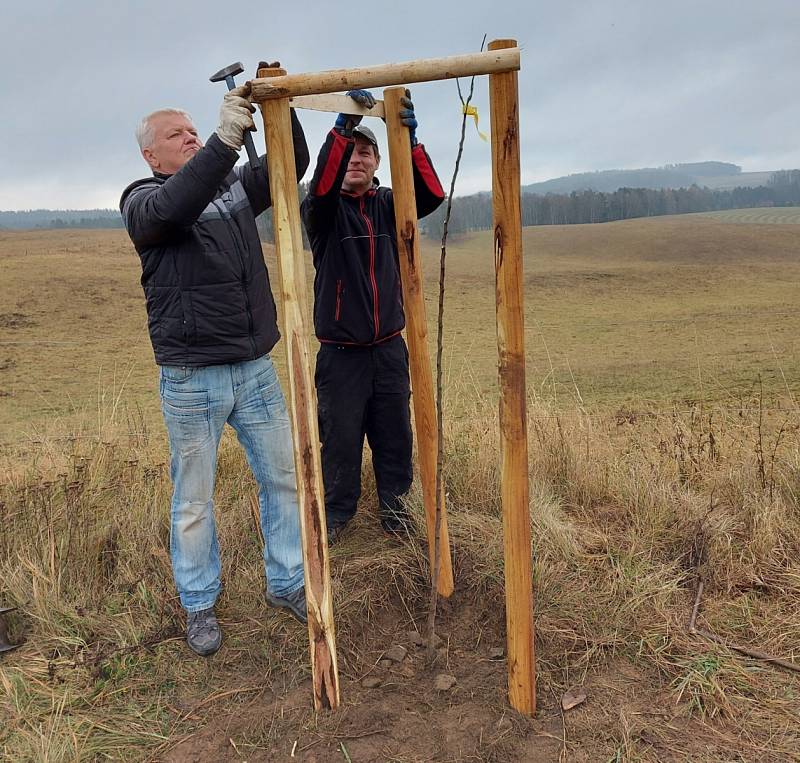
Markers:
point(346, 122)
point(408, 118)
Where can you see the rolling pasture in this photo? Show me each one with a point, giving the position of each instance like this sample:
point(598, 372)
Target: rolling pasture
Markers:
point(762, 216)
point(643, 312)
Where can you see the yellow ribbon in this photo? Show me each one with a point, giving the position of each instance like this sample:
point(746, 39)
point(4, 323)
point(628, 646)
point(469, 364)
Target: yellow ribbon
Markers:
point(472, 111)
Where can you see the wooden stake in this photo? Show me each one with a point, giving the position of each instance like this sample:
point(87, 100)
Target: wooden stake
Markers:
point(405, 211)
point(423, 70)
point(291, 258)
point(504, 103)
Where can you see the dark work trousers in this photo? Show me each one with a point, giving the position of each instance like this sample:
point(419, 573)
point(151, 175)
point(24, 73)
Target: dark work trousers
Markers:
point(364, 391)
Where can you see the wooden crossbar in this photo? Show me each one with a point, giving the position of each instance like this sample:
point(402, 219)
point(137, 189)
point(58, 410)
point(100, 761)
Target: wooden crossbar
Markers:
point(423, 70)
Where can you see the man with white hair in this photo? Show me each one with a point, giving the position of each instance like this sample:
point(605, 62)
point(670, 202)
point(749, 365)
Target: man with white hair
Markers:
point(212, 323)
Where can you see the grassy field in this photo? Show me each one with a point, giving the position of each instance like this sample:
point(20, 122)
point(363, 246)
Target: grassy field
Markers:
point(642, 312)
point(762, 215)
point(664, 450)
point(661, 310)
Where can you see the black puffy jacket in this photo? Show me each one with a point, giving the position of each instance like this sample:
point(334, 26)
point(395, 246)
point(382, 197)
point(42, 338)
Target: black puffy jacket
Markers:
point(357, 294)
point(207, 288)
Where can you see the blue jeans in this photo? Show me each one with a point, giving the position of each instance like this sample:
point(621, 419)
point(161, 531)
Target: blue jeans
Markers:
point(196, 403)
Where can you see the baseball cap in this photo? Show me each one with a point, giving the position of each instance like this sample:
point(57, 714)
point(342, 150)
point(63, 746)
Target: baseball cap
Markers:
point(365, 133)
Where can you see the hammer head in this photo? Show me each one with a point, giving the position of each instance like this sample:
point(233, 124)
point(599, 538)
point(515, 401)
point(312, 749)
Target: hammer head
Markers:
point(229, 71)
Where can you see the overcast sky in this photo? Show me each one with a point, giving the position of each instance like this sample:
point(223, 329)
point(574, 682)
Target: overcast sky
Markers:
point(607, 84)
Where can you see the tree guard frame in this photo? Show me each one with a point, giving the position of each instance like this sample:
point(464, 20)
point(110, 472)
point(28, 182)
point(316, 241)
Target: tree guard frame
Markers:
point(272, 90)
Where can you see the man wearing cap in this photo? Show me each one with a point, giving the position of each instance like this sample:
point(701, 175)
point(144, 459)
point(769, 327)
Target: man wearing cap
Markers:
point(362, 365)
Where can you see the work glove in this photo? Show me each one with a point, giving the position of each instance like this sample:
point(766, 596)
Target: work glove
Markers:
point(346, 122)
point(408, 118)
point(265, 65)
point(235, 117)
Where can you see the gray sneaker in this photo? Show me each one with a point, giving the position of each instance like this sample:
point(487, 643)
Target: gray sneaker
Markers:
point(203, 634)
point(294, 603)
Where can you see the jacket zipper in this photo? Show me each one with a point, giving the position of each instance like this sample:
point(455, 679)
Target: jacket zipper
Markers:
point(375, 305)
point(243, 282)
point(338, 299)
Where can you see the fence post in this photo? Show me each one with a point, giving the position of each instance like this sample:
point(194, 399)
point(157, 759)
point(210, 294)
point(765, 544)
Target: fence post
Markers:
point(296, 330)
point(504, 103)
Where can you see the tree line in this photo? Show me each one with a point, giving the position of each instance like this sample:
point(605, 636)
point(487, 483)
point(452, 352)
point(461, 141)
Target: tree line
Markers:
point(473, 213)
point(61, 218)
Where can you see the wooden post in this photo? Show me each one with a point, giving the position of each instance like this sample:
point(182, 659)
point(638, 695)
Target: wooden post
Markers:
point(405, 212)
point(291, 258)
point(504, 104)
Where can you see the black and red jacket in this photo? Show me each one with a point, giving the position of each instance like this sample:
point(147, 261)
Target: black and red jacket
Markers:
point(357, 294)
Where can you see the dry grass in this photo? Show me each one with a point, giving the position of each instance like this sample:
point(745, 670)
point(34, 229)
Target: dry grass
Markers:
point(625, 516)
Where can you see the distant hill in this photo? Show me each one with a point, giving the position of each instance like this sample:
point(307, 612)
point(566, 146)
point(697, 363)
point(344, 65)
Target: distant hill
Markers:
point(714, 175)
point(61, 218)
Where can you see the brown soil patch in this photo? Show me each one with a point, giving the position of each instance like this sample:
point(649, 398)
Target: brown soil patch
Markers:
point(406, 719)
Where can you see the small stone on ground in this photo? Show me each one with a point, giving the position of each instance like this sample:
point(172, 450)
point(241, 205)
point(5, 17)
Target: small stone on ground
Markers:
point(444, 682)
point(396, 653)
point(416, 638)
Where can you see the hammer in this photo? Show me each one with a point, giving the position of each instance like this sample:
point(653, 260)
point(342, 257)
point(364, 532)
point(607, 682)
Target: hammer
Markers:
point(5, 644)
point(227, 74)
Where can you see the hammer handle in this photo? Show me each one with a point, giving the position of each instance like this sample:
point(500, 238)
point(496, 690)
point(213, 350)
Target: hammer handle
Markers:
point(249, 146)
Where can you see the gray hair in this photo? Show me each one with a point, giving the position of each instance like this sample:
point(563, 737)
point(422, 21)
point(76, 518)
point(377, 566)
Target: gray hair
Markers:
point(144, 130)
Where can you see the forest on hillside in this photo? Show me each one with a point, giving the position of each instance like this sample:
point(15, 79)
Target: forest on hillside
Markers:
point(473, 213)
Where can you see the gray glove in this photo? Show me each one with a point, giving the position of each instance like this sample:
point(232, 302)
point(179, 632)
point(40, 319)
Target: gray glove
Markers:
point(235, 117)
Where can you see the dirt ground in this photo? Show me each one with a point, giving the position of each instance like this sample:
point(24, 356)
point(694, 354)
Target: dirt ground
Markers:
point(626, 715)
